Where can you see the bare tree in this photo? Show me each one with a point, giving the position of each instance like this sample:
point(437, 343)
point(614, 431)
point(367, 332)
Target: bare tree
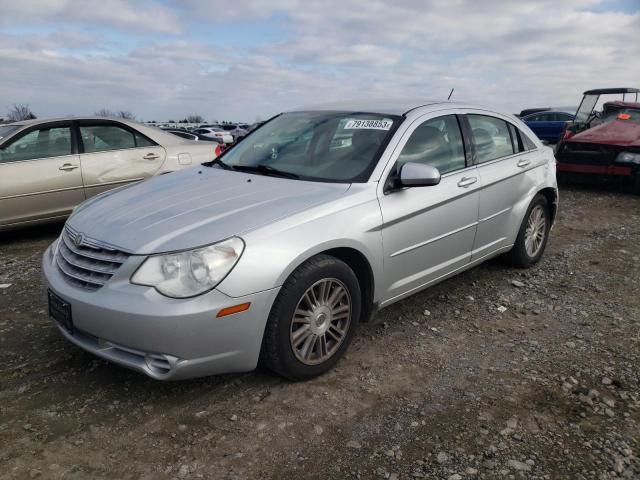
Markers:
point(127, 115)
point(195, 119)
point(105, 112)
point(19, 112)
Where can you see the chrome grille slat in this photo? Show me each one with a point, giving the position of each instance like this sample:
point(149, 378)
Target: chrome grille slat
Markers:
point(89, 265)
point(95, 253)
point(78, 274)
point(93, 266)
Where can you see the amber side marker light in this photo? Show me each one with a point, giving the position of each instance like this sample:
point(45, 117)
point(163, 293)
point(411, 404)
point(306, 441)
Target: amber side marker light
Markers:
point(235, 309)
point(624, 116)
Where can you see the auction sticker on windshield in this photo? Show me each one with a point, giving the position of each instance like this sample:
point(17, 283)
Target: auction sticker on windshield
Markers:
point(369, 124)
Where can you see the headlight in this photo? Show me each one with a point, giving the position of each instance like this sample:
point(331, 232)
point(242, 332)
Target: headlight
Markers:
point(189, 273)
point(628, 157)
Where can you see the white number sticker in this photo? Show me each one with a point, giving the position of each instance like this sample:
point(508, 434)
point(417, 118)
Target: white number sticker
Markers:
point(368, 124)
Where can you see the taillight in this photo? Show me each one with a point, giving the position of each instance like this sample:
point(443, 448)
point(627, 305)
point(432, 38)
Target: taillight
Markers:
point(218, 150)
point(567, 134)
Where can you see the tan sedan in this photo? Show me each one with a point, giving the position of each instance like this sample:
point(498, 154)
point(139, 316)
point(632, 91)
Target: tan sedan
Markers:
point(47, 167)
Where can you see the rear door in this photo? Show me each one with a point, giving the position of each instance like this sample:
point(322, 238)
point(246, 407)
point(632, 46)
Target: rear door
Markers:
point(113, 154)
point(40, 174)
point(506, 165)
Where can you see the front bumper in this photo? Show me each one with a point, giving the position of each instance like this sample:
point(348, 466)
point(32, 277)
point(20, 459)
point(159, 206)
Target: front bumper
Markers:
point(164, 338)
point(593, 159)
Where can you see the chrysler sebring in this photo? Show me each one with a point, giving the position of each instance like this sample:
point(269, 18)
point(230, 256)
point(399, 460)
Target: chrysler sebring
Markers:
point(275, 251)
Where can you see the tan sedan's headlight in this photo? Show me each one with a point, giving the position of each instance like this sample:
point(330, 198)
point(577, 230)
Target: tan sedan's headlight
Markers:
point(192, 272)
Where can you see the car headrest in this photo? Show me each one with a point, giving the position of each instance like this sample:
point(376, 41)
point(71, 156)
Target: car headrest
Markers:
point(426, 143)
point(367, 139)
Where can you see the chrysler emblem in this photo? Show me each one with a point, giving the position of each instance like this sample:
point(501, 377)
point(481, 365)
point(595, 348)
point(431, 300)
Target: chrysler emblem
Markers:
point(78, 240)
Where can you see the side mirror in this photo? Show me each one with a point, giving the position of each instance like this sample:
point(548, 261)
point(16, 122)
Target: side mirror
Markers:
point(418, 175)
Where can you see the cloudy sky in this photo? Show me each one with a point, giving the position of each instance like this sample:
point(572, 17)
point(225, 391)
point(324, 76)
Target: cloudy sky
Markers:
point(242, 60)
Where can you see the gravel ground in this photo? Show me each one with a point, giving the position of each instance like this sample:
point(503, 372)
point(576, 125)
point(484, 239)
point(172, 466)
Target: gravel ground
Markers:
point(497, 373)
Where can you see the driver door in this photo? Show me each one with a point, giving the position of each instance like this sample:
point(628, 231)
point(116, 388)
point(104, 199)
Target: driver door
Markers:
point(428, 232)
point(39, 175)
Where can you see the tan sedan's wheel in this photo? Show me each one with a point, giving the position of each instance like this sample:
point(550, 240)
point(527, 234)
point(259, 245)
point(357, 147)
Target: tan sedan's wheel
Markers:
point(312, 319)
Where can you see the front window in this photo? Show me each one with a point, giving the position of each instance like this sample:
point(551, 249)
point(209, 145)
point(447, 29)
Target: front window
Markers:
point(6, 130)
point(41, 143)
point(323, 146)
point(586, 107)
point(437, 142)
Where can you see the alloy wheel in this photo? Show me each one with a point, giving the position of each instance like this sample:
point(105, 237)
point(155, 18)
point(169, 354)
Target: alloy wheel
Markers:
point(321, 321)
point(535, 231)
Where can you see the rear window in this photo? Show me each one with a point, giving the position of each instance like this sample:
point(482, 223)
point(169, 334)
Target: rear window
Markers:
point(491, 137)
point(625, 115)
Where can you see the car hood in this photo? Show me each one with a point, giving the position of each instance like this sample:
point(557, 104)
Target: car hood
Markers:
point(195, 207)
point(615, 132)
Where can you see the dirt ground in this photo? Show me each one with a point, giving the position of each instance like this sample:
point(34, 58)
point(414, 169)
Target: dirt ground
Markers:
point(442, 385)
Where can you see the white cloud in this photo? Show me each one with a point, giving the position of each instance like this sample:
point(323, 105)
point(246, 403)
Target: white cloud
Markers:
point(507, 54)
point(138, 16)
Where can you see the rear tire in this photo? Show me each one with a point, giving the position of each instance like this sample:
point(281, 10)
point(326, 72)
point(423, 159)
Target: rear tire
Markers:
point(532, 236)
point(313, 319)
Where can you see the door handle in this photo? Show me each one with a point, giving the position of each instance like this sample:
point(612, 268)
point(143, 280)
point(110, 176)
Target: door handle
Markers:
point(524, 162)
point(466, 181)
point(67, 167)
point(151, 156)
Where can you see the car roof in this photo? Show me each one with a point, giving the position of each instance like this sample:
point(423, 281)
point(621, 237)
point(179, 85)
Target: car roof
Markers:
point(548, 111)
point(605, 91)
point(388, 106)
point(620, 104)
point(155, 133)
point(24, 123)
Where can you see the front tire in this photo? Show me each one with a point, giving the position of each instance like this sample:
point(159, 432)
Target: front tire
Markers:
point(312, 320)
point(533, 234)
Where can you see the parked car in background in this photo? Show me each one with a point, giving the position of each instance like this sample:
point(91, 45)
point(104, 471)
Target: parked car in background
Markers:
point(603, 144)
point(196, 137)
point(48, 167)
point(529, 111)
point(253, 126)
point(235, 130)
point(215, 133)
point(192, 135)
point(548, 125)
point(290, 239)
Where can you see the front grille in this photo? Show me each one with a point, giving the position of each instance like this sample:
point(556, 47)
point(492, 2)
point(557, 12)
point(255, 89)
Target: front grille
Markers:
point(588, 153)
point(89, 264)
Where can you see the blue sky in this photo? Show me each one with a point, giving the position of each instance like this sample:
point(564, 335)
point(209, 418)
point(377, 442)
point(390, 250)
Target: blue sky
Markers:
point(247, 60)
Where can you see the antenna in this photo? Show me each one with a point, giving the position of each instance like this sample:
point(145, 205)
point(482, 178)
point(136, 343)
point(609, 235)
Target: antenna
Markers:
point(450, 93)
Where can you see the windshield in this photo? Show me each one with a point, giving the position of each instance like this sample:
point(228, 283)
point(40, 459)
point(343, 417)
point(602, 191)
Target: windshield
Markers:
point(323, 146)
point(624, 114)
point(6, 130)
point(586, 107)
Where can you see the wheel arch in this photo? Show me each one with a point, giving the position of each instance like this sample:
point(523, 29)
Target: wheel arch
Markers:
point(361, 266)
point(551, 194)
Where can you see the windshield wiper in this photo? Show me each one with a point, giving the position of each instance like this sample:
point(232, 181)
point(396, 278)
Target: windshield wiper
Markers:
point(220, 163)
point(265, 170)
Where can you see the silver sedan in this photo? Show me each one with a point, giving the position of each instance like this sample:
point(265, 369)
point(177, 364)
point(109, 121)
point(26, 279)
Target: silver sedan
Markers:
point(297, 234)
